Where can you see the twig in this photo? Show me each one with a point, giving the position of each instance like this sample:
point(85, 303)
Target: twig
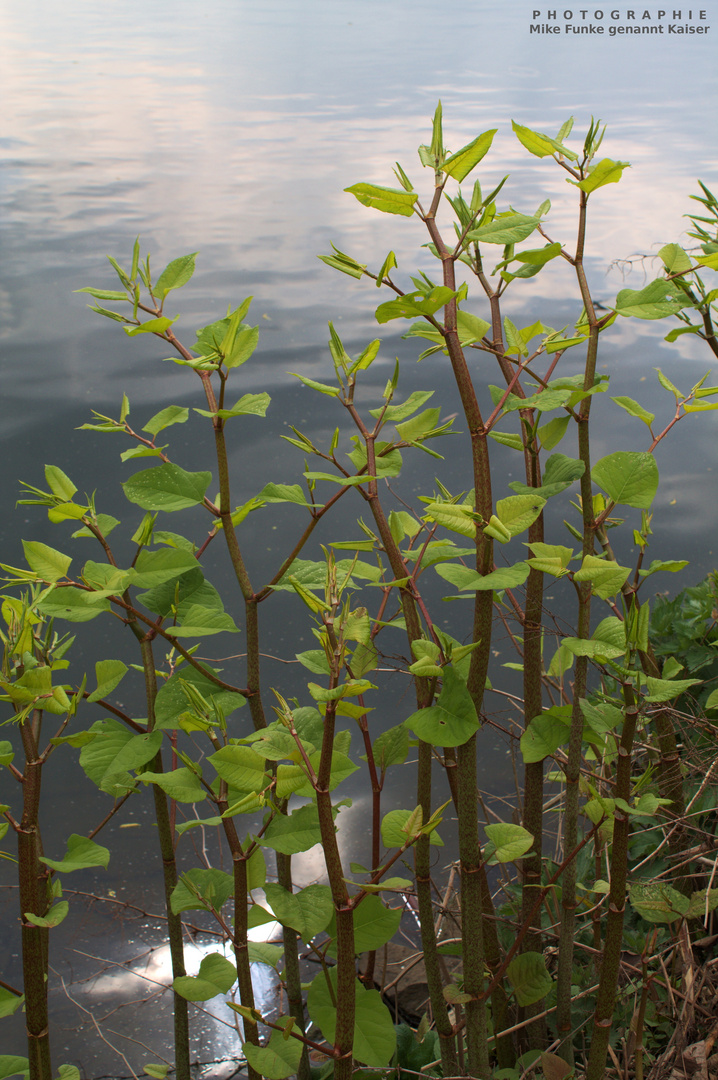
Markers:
point(97, 1028)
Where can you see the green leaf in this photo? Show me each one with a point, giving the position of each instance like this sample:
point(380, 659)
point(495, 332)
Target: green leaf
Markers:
point(308, 911)
point(388, 200)
point(550, 558)
point(153, 568)
point(75, 605)
point(510, 841)
point(13, 1066)
point(196, 620)
point(515, 514)
point(242, 768)
point(216, 976)
point(54, 916)
point(698, 907)
point(507, 577)
point(375, 924)
point(293, 779)
point(167, 487)
point(182, 785)
point(675, 259)
point(172, 700)
point(81, 855)
point(543, 736)
point(175, 275)
point(419, 426)
point(668, 689)
point(46, 562)
point(460, 519)
point(244, 344)
point(109, 674)
point(264, 952)
point(277, 1060)
point(394, 830)
point(552, 432)
point(388, 462)
point(454, 996)
point(634, 409)
point(412, 304)
point(509, 228)
point(453, 720)
point(657, 902)
point(106, 578)
point(530, 979)
point(343, 262)
point(351, 688)
point(667, 384)
point(248, 405)
point(559, 473)
point(628, 477)
point(555, 1068)
point(656, 301)
point(460, 164)
point(173, 414)
point(712, 700)
point(374, 1034)
point(509, 439)
point(159, 1072)
point(407, 408)
point(299, 831)
point(110, 757)
point(280, 493)
point(606, 577)
point(607, 642)
point(603, 172)
point(152, 326)
point(679, 331)
point(59, 483)
point(9, 1004)
point(672, 566)
point(201, 889)
point(104, 294)
point(391, 747)
point(537, 144)
point(105, 523)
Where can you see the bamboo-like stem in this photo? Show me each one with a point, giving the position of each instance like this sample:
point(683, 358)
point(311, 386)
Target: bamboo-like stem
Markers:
point(670, 780)
point(583, 629)
point(612, 944)
point(505, 1053)
point(33, 880)
point(472, 929)
point(422, 872)
point(469, 847)
point(422, 861)
point(367, 975)
point(251, 607)
point(291, 967)
point(240, 932)
point(344, 912)
point(169, 867)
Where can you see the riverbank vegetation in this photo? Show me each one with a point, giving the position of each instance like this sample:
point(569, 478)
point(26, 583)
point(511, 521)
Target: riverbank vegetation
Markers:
point(568, 939)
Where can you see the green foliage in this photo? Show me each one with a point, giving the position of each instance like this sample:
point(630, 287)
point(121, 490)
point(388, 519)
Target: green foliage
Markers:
point(608, 734)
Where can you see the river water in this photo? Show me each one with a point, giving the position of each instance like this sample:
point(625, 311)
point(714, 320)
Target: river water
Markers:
point(232, 129)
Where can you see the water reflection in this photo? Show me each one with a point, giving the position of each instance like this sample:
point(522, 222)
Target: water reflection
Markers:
point(115, 991)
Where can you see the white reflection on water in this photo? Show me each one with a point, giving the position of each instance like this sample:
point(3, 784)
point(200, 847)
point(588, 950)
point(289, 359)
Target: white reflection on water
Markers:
point(126, 988)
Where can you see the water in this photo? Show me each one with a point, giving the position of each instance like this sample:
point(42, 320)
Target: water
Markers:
point(232, 129)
